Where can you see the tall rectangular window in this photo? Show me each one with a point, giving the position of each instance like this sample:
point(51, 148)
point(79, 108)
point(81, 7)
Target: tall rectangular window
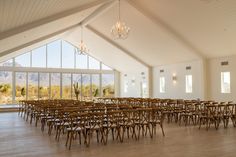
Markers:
point(8, 63)
point(5, 87)
point(95, 85)
point(188, 84)
point(23, 60)
point(55, 85)
point(104, 67)
point(225, 82)
point(54, 54)
point(43, 85)
point(39, 57)
point(76, 90)
point(33, 86)
point(108, 85)
point(162, 85)
point(93, 63)
point(68, 55)
point(81, 61)
point(66, 86)
point(20, 88)
point(86, 87)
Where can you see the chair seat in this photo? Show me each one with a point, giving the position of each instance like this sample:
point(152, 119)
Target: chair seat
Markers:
point(155, 121)
point(93, 127)
point(75, 129)
point(63, 124)
point(53, 120)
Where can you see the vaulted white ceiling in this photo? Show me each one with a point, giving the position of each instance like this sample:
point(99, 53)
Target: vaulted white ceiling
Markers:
point(207, 25)
point(162, 31)
point(148, 41)
point(16, 13)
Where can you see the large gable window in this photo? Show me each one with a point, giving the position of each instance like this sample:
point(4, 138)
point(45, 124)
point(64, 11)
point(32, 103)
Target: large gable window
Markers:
point(54, 71)
point(54, 54)
point(39, 57)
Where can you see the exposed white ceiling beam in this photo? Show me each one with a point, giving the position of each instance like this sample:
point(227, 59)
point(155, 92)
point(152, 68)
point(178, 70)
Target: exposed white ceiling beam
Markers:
point(175, 34)
point(37, 40)
point(88, 19)
point(117, 45)
point(50, 19)
point(100, 10)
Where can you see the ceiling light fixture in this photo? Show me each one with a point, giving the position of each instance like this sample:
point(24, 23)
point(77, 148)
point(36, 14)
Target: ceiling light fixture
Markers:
point(119, 30)
point(82, 49)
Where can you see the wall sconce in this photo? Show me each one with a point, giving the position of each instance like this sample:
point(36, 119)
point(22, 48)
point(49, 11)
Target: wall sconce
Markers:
point(174, 78)
point(133, 81)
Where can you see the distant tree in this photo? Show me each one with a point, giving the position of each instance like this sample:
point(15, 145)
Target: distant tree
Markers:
point(104, 91)
point(23, 92)
point(95, 93)
point(40, 91)
point(4, 88)
point(76, 90)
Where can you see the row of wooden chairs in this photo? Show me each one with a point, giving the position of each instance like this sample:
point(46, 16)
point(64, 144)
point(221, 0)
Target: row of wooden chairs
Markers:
point(194, 112)
point(86, 118)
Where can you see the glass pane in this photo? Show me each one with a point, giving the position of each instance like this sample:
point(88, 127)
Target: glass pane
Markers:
point(95, 85)
point(225, 82)
point(108, 85)
point(32, 86)
point(43, 85)
point(68, 55)
point(93, 63)
point(5, 87)
point(104, 67)
point(126, 85)
point(8, 63)
point(82, 61)
point(76, 86)
point(66, 86)
point(54, 54)
point(20, 86)
point(86, 90)
point(55, 85)
point(39, 57)
point(23, 60)
point(162, 84)
point(188, 80)
point(144, 92)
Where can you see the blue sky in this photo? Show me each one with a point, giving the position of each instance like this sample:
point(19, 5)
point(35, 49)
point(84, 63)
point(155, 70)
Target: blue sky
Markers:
point(54, 57)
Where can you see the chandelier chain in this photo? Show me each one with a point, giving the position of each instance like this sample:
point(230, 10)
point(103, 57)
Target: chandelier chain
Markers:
point(119, 30)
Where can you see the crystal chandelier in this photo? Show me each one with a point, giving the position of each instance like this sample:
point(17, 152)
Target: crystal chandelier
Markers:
point(120, 30)
point(82, 49)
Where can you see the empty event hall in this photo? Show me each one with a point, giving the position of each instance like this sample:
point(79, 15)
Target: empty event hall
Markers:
point(113, 78)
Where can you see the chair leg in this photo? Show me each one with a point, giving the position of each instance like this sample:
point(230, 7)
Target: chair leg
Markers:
point(68, 136)
point(162, 129)
point(71, 137)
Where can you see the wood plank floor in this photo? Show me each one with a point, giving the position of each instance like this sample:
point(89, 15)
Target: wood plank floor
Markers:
point(20, 139)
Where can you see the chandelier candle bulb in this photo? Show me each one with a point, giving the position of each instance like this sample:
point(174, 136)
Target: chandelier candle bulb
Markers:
point(82, 49)
point(120, 30)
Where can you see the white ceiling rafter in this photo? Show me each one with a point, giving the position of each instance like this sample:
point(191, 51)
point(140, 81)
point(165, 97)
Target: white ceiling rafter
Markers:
point(89, 16)
point(100, 10)
point(46, 20)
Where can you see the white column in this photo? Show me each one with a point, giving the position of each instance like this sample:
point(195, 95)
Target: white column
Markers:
point(150, 82)
point(117, 83)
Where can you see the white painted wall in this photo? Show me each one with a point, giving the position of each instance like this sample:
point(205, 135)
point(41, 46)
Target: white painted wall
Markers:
point(132, 81)
point(214, 78)
point(177, 90)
